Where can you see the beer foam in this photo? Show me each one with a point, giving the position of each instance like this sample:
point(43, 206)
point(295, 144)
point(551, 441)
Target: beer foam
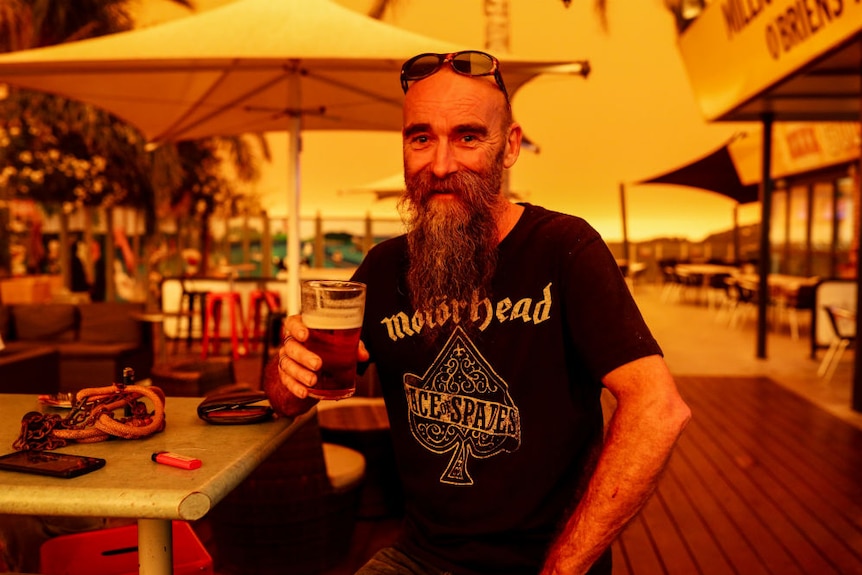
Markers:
point(333, 319)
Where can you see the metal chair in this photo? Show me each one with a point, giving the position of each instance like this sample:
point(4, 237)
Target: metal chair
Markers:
point(745, 302)
point(843, 322)
point(801, 300)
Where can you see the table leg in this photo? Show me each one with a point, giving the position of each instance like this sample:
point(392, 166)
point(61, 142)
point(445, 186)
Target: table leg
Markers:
point(155, 547)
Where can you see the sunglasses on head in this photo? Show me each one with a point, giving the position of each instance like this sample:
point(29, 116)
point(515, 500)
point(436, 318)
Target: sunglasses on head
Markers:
point(467, 63)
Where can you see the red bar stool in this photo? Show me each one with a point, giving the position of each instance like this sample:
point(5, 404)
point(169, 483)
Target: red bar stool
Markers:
point(212, 323)
point(256, 299)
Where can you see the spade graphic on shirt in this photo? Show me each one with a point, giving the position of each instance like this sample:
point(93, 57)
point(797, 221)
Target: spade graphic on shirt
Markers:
point(460, 405)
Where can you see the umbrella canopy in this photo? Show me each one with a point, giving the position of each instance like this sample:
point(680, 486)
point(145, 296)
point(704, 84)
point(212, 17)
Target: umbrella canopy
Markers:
point(715, 172)
point(393, 187)
point(250, 66)
point(385, 188)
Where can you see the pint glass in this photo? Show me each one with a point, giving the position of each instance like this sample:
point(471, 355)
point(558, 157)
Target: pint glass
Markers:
point(332, 310)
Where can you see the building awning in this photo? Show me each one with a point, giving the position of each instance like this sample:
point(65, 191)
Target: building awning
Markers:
point(797, 61)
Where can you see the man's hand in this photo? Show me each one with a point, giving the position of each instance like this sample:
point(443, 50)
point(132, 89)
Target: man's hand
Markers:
point(293, 370)
point(297, 366)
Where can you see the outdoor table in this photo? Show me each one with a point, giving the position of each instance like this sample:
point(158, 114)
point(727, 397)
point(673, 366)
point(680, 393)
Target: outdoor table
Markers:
point(782, 287)
point(131, 485)
point(783, 282)
point(705, 270)
point(703, 274)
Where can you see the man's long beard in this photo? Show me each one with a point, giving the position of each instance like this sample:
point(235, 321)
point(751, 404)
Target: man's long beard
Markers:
point(452, 242)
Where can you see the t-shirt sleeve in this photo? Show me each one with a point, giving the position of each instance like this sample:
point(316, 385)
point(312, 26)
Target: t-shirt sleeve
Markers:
point(603, 319)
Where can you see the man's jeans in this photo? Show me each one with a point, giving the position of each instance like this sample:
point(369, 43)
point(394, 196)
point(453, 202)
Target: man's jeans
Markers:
point(391, 561)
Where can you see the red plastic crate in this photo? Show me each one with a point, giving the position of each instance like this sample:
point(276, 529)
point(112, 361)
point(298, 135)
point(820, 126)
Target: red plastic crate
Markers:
point(114, 551)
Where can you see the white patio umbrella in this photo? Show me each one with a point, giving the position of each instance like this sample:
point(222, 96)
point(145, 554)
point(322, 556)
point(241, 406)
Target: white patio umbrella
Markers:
point(249, 66)
point(394, 186)
point(384, 188)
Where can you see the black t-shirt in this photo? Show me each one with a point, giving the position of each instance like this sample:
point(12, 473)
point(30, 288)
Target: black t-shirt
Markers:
point(497, 426)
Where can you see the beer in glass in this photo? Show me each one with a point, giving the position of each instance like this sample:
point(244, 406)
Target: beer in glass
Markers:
point(332, 310)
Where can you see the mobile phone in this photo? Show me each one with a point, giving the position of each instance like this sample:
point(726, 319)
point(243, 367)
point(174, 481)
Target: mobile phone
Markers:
point(49, 463)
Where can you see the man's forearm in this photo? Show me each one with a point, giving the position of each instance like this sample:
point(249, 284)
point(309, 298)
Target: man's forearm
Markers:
point(638, 445)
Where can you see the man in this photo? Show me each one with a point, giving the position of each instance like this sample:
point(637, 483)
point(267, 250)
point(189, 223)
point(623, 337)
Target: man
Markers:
point(494, 327)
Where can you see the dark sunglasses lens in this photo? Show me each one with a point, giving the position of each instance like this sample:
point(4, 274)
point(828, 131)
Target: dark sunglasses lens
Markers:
point(421, 67)
point(473, 63)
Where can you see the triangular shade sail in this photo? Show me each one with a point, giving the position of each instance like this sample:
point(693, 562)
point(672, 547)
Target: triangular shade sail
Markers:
point(715, 172)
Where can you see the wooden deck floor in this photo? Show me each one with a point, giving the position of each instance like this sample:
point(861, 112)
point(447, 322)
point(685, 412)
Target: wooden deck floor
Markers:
point(762, 482)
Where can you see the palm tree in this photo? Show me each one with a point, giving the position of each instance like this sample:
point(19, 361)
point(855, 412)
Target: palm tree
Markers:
point(57, 151)
point(684, 12)
point(497, 19)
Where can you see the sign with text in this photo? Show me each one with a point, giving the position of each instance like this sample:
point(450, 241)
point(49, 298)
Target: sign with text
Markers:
point(798, 148)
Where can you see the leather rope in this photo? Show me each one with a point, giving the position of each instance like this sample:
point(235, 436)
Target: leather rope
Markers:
point(93, 418)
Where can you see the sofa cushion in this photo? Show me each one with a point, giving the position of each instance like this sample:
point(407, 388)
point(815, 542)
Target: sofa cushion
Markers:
point(29, 368)
point(109, 322)
point(83, 350)
point(40, 322)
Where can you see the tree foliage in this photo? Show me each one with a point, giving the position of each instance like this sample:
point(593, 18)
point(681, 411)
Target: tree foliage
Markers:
point(56, 151)
point(59, 151)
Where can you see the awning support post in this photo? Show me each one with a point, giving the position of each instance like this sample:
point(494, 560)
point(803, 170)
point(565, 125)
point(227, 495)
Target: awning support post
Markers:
point(765, 224)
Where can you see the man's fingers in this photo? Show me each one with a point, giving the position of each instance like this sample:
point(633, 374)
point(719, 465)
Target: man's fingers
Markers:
point(296, 362)
point(293, 327)
point(362, 354)
point(294, 376)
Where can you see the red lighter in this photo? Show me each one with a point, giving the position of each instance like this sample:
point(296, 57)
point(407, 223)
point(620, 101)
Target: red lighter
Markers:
point(175, 460)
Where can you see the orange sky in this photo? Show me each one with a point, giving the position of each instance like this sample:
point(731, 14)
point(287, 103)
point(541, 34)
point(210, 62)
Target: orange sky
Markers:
point(635, 117)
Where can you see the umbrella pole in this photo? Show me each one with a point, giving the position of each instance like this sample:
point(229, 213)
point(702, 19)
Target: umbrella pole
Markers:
point(736, 233)
point(625, 223)
point(293, 190)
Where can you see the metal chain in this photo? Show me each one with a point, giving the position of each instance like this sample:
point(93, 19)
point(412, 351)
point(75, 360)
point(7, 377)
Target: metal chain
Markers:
point(37, 432)
point(85, 412)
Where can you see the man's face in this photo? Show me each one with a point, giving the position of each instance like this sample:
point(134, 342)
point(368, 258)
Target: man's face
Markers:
point(454, 123)
point(455, 149)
